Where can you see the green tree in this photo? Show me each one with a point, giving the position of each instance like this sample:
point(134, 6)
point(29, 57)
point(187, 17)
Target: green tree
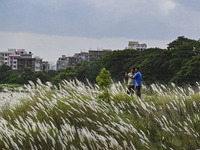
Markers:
point(155, 66)
point(52, 73)
point(104, 81)
point(27, 75)
point(68, 74)
point(7, 75)
point(42, 76)
point(120, 61)
point(88, 70)
point(181, 40)
point(189, 73)
point(182, 51)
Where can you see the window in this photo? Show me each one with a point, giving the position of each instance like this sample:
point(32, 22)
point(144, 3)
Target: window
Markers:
point(30, 62)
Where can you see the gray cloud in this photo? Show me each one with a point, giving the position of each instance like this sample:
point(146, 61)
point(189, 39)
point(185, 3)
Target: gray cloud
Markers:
point(140, 20)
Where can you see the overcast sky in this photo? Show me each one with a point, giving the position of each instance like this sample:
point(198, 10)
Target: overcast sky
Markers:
point(51, 28)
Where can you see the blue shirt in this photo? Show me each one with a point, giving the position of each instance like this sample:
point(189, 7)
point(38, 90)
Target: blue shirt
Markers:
point(138, 78)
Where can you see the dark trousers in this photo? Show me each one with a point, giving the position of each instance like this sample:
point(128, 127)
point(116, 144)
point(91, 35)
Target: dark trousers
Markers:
point(131, 89)
point(138, 91)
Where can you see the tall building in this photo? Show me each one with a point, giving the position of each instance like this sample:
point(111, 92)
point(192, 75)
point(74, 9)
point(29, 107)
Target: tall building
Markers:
point(72, 61)
point(83, 56)
point(18, 59)
point(38, 63)
point(62, 63)
point(45, 66)
point(25, 60)
point(96, 54)
point(135, 45)
point(13, 58)
point(4, 57)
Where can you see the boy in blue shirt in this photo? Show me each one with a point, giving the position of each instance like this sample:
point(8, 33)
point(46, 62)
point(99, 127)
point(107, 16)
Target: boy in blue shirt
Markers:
point(138, 83)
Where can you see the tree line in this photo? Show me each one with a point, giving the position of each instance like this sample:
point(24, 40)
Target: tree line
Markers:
point(179, 63)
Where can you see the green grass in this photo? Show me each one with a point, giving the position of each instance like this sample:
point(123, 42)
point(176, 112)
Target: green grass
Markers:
point(74, 116)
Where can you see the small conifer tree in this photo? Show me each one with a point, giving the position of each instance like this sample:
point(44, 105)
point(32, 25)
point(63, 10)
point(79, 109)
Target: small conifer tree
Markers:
point(104, 81)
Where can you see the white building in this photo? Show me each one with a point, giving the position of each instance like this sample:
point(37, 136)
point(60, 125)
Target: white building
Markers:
point(62, 63)
point(38, 63)
point(135, 45)
point(4, 57)
point(45, 66)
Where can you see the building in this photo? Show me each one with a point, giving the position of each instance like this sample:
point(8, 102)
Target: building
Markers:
point(72, 61)
point(83, 56)
point(13, 57)
point(4, 57)
point(18, 59)
point(96, 54)
point(62, 63)
point(25, 60)
point(45, 66)
point(38, 63)
point(13, 61)
point(135, 45)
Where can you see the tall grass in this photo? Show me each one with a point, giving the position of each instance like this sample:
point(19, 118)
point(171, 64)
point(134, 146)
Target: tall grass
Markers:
point(74, 117)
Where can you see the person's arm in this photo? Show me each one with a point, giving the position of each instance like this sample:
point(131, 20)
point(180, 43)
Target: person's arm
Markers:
point(126, 75)
point(134, 76)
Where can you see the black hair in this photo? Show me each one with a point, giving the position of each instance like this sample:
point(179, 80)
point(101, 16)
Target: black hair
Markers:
point(137, 68)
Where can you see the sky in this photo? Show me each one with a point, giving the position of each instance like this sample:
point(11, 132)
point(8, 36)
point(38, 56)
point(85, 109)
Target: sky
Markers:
point(52, 28)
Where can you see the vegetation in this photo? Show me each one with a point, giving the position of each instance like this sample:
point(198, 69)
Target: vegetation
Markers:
point(74, 117)
point(70, 114)
point(104, 81)
point(179, 63)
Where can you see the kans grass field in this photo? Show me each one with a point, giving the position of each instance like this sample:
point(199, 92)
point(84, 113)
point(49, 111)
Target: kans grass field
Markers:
point(73, 116)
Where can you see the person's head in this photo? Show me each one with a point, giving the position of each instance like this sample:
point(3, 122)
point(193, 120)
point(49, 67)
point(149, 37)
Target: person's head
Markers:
point(137, 69)
point(132, 70)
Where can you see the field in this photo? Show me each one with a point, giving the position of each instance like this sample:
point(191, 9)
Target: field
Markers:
point(75, 116)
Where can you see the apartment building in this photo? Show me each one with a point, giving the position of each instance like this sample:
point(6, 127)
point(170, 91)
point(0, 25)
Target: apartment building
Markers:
point(38, 63)
point(4, 57)
point(72, 61)
point(18, 59)
point(45, 66)
point(136, 45)
point(25, 60)
point(13, 57)
point(96, 54)
point(83, 56)
point(62, 63)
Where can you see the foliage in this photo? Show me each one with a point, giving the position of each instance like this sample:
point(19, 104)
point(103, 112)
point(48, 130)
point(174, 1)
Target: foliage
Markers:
point(88, 70)
point(156, 65)
point(28, 75)
point(189, 73)
point(118, 62)
point(7, 75)
point(72, 118)
point(68, 74)
point(177, 64)
point(104, 81)
point(52, 73)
